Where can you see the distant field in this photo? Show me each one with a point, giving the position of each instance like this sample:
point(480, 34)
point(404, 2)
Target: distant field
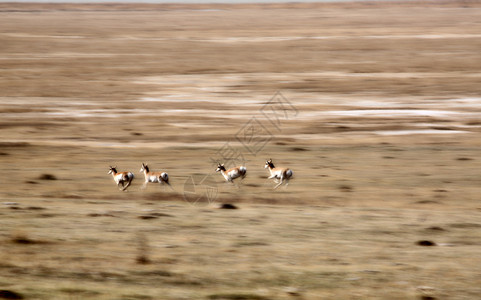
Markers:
point(374, 106)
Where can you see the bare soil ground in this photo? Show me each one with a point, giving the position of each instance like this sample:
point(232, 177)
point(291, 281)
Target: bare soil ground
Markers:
point(375, 106)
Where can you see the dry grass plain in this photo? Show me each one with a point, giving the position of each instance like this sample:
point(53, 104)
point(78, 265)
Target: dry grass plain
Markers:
point(382, 129)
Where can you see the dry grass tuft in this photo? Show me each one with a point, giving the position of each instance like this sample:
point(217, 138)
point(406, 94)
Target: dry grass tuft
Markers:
point(426, 243)
point(227, 206)
point(143, 250)
point(23, 240)
point(237, 297)
point(47, 177)
point(7, 294)
point(21, 237)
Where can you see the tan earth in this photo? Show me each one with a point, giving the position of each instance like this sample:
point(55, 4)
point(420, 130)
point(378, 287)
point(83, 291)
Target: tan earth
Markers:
point(376, 107)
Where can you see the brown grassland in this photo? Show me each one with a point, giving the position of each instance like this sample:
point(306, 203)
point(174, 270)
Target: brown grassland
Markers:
point(375, 106)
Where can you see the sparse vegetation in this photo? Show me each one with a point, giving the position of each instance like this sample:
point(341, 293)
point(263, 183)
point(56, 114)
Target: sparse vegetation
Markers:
point(7, 294)
point(384, 147)
point(21, 237)
point(143, 249)
point(47, 177)
point(227, 206)
point(237, 297)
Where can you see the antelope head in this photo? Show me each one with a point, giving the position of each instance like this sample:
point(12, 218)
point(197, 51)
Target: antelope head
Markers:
point(220, 167)
point(269, 164)
point(112, 170)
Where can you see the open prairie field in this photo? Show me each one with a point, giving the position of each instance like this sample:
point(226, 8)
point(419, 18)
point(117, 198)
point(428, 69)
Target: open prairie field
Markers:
point(376, 107)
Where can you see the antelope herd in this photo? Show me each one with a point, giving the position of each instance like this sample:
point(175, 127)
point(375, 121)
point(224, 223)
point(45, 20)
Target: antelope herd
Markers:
point(124, 179)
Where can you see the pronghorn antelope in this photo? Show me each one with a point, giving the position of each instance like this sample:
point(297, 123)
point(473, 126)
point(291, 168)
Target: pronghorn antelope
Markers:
point(160, 177)
point(121, 178)
point(232, 173)
point(278, 173)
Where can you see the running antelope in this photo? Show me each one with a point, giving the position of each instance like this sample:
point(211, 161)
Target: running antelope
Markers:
point(232, 173)
point(160, 177)
point(121, 178)
point(278, 173)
